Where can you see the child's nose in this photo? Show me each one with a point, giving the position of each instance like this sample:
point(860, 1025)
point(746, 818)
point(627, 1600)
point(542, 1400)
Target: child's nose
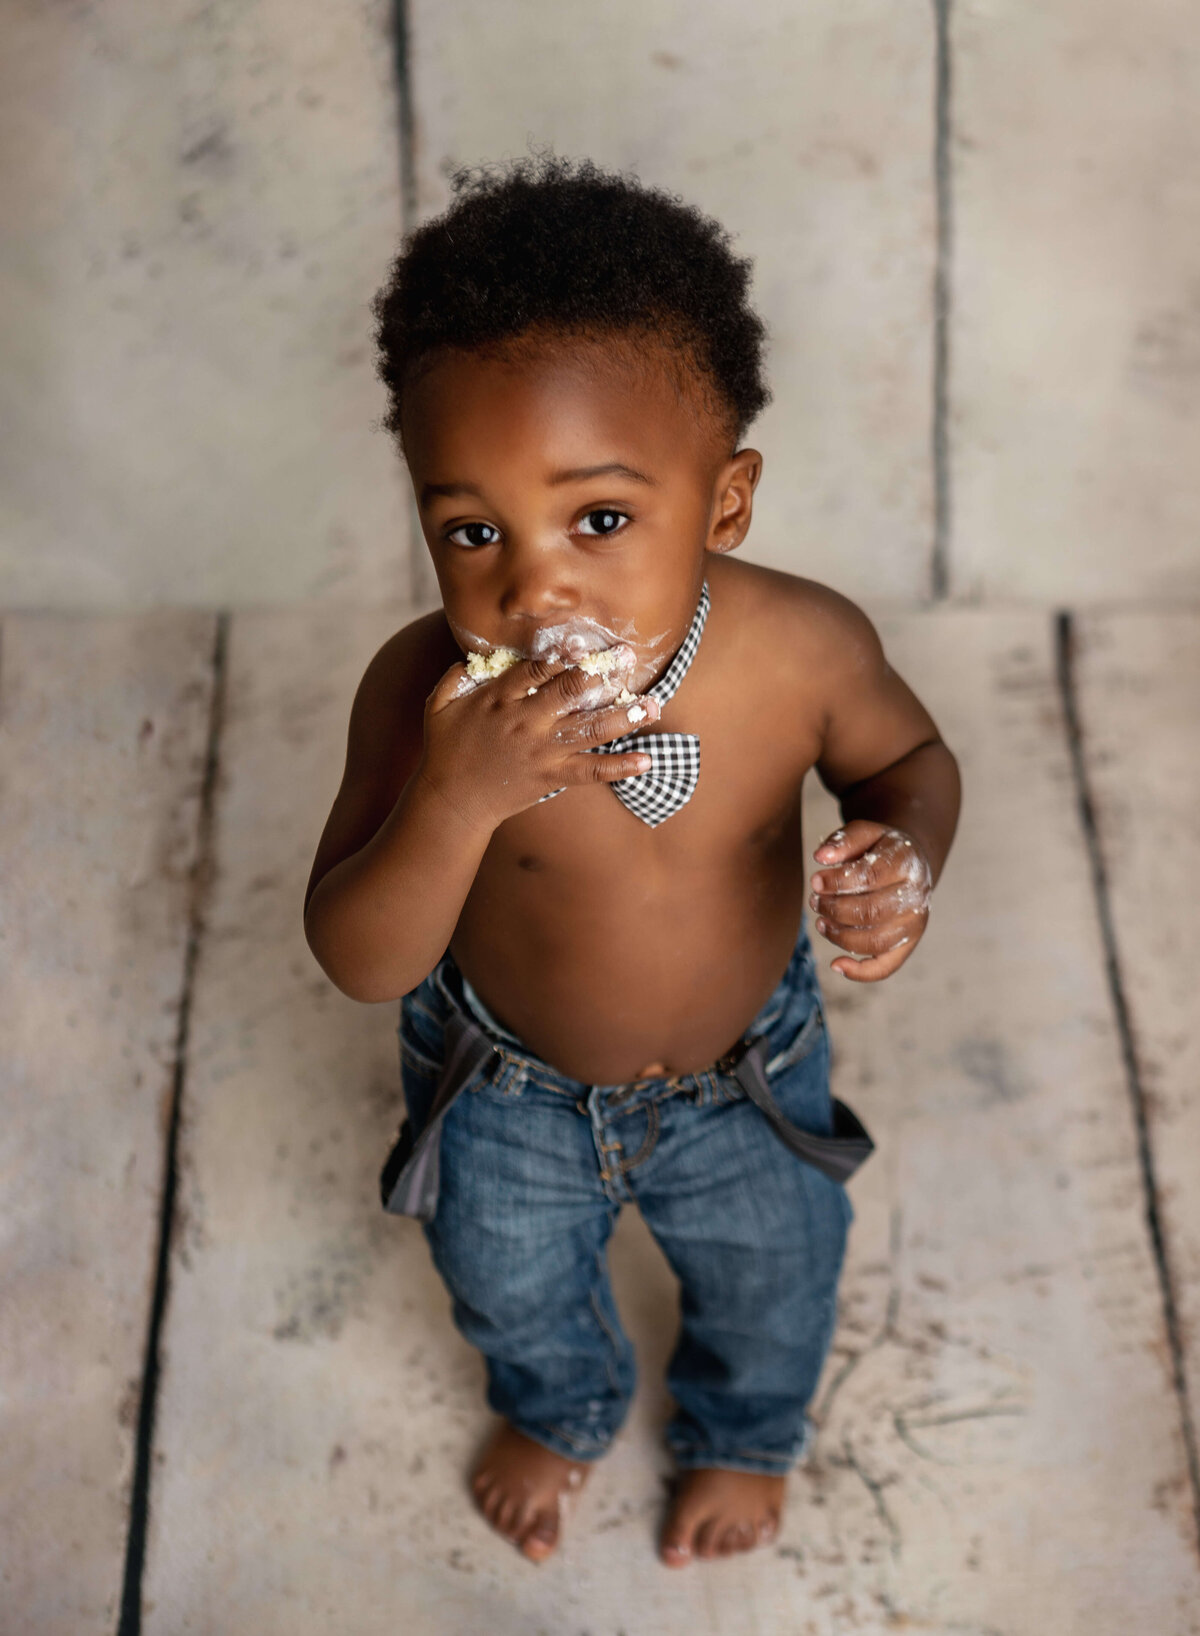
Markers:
point(535, 592)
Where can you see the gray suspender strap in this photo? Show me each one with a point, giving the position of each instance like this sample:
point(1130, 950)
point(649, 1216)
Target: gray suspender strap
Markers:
point(412, 1174)
point(837, 1156)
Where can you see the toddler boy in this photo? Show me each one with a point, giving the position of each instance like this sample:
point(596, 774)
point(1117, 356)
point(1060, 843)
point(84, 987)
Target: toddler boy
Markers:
point(577, 859)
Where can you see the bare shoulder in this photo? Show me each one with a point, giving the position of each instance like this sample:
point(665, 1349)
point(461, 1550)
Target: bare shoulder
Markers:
point(389, 705)
point(868, 716)
point(825, 633)
point(385, 737)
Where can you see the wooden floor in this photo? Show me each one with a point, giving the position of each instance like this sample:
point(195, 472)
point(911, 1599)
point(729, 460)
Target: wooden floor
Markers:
point(1006, 1442)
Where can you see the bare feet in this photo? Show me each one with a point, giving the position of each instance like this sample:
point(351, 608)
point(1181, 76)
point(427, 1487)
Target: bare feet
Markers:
point(715, 1512)
point(522, 1490)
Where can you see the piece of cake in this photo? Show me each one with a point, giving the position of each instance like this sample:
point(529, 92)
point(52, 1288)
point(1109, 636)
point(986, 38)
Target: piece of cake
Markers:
point(481, 667)
point(597, 664)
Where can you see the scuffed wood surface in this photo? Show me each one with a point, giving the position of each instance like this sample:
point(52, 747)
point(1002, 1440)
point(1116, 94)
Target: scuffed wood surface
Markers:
point(103, 731)
point(999, 1447)
point(807, 131)
point(1075, 302)
point(1138, 685)
point(199, 203)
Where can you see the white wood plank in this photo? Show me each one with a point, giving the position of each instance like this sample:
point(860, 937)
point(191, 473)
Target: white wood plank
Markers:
point(1138, 682)
point(999, 1449)
point(199, 202)
point(103, 733)
point(1075, 346)
point(808, 132)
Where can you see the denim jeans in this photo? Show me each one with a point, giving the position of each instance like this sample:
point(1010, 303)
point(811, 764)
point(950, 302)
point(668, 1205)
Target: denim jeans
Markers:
point(534, 1170)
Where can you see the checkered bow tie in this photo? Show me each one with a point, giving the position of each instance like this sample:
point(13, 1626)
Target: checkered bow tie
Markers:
point(674, 770)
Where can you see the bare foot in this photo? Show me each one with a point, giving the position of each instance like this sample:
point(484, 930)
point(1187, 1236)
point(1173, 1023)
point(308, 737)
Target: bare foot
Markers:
point(522, 1490)
point(715, 1512)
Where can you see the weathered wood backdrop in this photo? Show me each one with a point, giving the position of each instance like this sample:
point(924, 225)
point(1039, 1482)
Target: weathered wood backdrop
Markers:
point(200, 202)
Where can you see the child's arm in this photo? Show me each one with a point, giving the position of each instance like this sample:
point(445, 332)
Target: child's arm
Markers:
point(429, 776)
point(898, 788)
point(395, 862)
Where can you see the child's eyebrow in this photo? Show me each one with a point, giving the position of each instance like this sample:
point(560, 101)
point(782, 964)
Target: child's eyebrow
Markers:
point(576, 475)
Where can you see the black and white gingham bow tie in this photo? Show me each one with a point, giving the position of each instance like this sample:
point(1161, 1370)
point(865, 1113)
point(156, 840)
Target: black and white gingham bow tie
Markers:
point(674, 770)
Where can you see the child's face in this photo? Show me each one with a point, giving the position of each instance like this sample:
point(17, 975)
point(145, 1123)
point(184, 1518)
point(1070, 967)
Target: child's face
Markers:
point(522, 543)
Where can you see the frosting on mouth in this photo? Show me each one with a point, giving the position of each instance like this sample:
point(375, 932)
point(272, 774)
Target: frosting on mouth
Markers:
point(481, 667)
point(573, 639)
point(583, 643)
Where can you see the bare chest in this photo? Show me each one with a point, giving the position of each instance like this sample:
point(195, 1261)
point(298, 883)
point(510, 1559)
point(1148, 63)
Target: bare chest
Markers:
point(610, 946)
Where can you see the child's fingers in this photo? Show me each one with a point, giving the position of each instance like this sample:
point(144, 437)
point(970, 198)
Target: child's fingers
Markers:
point(527, 677)
point(531, 675)
point(848, 842)
point(872, 940)
point(576, 692)
point(567, 687)
point(892, 859)
point(454, 683)
point(883, 906)
point(585, 768)
point(874, 967)
point(601, 726)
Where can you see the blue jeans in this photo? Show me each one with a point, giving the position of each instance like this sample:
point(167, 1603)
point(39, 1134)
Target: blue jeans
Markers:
point(534, 1169)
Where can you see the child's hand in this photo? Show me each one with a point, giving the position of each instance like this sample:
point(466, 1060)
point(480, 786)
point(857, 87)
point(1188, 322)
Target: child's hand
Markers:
point(874, 900)
point(495, 747)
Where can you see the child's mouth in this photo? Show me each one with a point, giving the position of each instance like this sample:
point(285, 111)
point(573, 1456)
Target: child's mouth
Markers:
point(580, 642)
point(571, 641)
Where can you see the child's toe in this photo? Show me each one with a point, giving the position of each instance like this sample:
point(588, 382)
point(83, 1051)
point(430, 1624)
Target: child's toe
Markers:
point(676, 1547)
point(706, 1538)
point(677, 1542)
point(539, 1540)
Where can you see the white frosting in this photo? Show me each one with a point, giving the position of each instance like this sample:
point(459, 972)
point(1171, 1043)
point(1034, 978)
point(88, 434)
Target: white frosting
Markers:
point(574, 639)
point(586, 644)
point(914, 888)
point(601, 663)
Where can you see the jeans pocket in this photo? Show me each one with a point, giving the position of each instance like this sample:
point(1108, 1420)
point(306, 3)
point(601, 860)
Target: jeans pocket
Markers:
point(421, 1033)
point(797, 1077)
point(796, 1099)
point(807, 1038)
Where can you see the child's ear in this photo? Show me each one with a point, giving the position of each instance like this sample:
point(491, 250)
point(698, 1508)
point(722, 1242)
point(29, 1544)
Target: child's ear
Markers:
point(735, 500)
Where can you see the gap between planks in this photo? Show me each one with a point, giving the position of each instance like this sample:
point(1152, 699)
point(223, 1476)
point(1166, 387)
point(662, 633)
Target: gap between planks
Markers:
point(1065, 642)
point(130, 1618)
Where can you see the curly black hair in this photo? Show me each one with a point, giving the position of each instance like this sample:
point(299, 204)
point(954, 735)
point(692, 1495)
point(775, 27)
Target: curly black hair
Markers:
point(552, 247)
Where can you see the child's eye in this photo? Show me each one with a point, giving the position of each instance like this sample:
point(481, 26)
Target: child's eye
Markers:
point(463, 527)
point(610, 518)
point(610, 523)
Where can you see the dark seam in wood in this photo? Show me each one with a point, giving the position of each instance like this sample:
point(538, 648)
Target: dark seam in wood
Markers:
point(130, 1619)
point(1065, 655)
point(939, 564)
point(422, 587)
point(401, 36)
